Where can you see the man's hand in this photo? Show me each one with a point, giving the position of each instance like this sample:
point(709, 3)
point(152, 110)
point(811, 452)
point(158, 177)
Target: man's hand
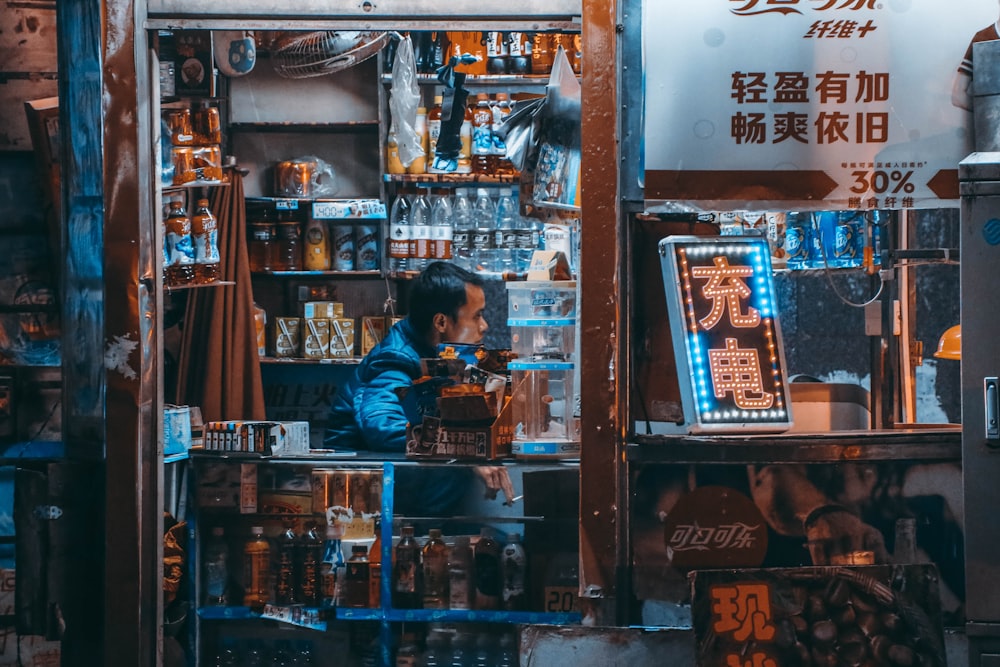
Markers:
point(833, 534)
point(496, 479)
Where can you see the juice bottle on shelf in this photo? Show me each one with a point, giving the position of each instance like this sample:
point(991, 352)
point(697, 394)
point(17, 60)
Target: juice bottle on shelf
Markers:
point(488, 576)
point(178, 248)
point(393, 164)
point(332, 559)
point(435, 565)
point(541, 53)
point(519, 48)
point(205, 233)
point(501, 110)
point(262, 232)
point(375, 568)
point(285, 584)
point(421, 127)
point(420, 216)
point(406, 575)
point(309, 560)
point(496, 52)
point(433, 127)
point(442, 225)
point(400, 233)
point(459, 574)
point(558, 39)
point(513, 567)
point(356, 578)
point(576, 53)
point(316, 252)
point(439, 51)
point(482, 136)
point(256, 570)
point(465, 152)
point(216, 568)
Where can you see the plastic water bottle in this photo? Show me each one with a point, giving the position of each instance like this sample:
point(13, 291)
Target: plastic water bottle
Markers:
point(438, 653)
point(506, 232)
point(400, 234)
point(216, 568)
point(508, 651)
point(464, 228)
point(420, 246)
point(442, 226)
point(484, 241)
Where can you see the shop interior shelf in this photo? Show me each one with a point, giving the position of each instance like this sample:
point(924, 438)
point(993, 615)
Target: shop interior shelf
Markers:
point(289, 126)
point(337, 361)
point(217, 283)
point(232, 613)
point(484, 79)
point(920, 444)
point(459, 616)
point(452, 179)
point(325, 274)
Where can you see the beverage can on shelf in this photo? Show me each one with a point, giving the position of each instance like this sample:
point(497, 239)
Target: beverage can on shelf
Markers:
point(343, 248)
point(366, 247)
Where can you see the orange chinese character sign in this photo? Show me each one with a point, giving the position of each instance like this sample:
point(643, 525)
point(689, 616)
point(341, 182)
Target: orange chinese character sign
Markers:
point(742, 611)
point(724, 325)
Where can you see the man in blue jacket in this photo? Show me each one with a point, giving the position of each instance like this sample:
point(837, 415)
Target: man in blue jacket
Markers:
point(446, 306)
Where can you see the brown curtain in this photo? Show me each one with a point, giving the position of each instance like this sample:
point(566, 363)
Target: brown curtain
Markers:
point(218, 366)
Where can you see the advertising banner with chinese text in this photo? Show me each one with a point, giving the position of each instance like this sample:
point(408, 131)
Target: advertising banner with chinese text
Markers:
point(877, 615)
point(808, 104)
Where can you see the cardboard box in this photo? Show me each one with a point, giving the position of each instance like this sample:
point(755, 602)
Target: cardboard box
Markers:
point(372, 333)
point(436, 439)
point(315, 338)
point(341, 337)
point(285, 336)
point(293, 439)
point(223, 485)
point(322, 310)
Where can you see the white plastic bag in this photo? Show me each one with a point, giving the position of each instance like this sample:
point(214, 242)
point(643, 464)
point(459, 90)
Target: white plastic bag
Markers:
point(404, 98)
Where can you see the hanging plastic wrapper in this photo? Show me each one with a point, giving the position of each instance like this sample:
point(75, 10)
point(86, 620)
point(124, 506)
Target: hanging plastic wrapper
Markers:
point(557, 170)
point(404, 98)
point(543, 139)
point(453, 102)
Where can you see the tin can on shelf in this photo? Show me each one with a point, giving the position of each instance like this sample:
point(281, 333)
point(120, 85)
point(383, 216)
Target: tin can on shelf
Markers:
point(366, 247)
point(343, 247)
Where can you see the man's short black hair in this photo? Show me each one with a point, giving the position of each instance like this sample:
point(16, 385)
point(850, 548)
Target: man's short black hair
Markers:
point(440, 288)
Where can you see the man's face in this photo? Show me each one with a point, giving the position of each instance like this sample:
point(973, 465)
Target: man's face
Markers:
point(469, 325)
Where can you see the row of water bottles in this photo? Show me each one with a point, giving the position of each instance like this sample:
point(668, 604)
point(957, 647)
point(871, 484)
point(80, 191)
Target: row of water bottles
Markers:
point(480, 233)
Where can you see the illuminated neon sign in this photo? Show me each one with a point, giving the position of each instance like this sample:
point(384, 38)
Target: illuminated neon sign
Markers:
point(723, 320)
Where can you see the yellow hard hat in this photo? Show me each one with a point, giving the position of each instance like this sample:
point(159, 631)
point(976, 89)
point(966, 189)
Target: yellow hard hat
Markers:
point(950, 344)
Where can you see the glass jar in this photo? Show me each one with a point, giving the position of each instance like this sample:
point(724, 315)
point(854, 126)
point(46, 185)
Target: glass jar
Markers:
point(288, 246)
point(261, 242)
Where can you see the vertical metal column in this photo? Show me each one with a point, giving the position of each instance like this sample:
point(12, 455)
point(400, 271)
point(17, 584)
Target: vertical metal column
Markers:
point(603, 357)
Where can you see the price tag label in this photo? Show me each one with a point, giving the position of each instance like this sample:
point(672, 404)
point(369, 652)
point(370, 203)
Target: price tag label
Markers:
point(286, 204)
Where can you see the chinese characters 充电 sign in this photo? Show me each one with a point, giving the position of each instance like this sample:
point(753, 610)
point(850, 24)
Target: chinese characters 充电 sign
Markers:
point(723, 321)
point(808, 104)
